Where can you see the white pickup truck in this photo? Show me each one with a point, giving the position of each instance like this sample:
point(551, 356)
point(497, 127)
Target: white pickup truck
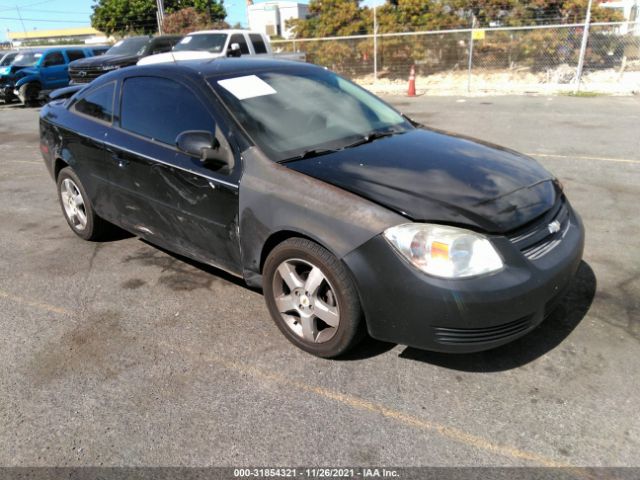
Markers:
point(220, 43)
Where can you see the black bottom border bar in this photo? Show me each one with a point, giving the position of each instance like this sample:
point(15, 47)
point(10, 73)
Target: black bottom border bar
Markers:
point(404, 473)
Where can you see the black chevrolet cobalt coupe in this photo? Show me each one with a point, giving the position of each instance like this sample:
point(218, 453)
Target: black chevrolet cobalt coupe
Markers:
point(351, 217)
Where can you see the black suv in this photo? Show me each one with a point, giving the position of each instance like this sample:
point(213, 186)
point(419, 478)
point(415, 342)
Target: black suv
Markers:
point(125, 53)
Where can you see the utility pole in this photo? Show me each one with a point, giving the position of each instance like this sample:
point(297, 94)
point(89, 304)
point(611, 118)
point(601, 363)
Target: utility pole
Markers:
point(583, 46)
point(375, 42)
point(473, 25)
point(160, 14)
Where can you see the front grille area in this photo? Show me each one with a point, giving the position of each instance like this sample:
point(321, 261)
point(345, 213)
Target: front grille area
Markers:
point(85, 75)
point(537, 240)
point(471, 336)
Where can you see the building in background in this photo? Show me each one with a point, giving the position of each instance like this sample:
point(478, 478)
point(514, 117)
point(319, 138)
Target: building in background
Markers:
point(270, 17)
point(87, 35)
point(630, 9)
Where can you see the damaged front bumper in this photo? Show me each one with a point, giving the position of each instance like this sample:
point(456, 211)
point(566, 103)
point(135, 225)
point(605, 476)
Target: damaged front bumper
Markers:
point(406, 306)
point(7, 92)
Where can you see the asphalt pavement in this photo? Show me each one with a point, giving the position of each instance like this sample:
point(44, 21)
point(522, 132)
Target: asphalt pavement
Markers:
point(118, 353)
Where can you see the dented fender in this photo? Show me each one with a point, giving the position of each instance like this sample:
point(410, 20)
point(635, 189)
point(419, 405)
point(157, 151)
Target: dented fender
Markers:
point(274, 198)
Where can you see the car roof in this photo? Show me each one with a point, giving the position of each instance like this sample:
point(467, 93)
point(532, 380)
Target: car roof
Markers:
point(226, 66)
point(227, 30)
point(198, 69)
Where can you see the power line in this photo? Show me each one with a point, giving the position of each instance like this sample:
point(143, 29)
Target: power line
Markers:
point(41, 20)
point(54, 11)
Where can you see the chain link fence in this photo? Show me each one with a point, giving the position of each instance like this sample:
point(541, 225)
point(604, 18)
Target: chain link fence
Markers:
point(510, 59)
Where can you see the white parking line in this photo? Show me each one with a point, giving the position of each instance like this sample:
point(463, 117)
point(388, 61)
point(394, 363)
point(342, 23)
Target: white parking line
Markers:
point(582, 157)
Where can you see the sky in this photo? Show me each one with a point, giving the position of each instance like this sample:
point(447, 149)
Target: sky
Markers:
point(50, 14)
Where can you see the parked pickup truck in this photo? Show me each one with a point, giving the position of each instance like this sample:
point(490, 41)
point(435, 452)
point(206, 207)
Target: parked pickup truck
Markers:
point(34, 73)
point(123, 54)
point(220, 43)
point(6, 58)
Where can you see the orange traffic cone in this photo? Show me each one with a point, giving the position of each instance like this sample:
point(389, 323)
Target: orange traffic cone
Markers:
point(412, 82)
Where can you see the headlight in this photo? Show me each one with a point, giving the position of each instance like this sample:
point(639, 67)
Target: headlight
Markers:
point(442, 251)
point(110, 67)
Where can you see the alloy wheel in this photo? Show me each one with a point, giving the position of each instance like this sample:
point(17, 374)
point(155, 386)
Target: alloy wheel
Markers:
point(306, 300)
point(73, 203)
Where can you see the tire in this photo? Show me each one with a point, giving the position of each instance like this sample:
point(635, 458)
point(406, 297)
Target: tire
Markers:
point(93, 227)
point(29, 93)
point(302, 312)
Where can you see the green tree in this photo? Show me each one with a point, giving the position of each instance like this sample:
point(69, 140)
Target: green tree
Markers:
point(214, 9)
point(189, 20)
point(331, 17)
point(127, 16)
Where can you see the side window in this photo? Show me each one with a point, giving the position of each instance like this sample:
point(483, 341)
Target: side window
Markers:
point(98, 103)
point(75, 55)
point(161, 109)
point(258, 43)
point(240, 40)
point(160, 46)
point(52, 59)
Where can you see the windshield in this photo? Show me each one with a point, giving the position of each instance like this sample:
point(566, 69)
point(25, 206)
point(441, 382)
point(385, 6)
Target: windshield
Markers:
point(291, 114)
point(27, 59)
point(210, 42)
point(129, 46)
point(7, 59)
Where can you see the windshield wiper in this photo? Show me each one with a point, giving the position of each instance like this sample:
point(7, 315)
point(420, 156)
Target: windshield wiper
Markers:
point(374, 135)
point(312, 152)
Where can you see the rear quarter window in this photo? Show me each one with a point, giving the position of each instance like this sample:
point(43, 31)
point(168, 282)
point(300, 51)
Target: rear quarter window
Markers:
point(98, 103)
point(258, 43)
point(75, 55)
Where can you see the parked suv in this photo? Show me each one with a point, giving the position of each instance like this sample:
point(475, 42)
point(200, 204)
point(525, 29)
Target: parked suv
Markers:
point(34, 73)
point(123, 54)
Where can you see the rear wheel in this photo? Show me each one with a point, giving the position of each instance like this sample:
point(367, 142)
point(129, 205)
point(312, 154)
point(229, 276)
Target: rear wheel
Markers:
point(312, 299)
point(77, 208)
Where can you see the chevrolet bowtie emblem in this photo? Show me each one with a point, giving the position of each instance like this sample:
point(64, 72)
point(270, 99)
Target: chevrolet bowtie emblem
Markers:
point(554, 227)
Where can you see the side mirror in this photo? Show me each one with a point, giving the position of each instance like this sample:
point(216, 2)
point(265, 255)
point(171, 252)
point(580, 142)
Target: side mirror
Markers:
point(206, 147)
point(234, 50)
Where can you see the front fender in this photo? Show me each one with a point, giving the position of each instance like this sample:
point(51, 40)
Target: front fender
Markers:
point(27, 79)
point(274, 198)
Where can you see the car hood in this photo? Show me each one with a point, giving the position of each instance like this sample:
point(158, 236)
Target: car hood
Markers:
point(105, 60)
point(6, 72)
point(25, 71)
point(178, 56)
point(429, 175)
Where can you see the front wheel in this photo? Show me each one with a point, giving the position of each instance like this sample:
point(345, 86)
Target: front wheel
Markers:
point(29, 94)
point(312, 298)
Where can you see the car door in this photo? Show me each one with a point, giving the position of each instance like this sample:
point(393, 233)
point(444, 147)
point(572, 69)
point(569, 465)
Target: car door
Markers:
point(91, 115)
point(165, 195)
point(54, 70)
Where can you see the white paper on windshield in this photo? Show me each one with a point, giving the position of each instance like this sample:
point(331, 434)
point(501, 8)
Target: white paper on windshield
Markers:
point(185, 40)
point(247, 87)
